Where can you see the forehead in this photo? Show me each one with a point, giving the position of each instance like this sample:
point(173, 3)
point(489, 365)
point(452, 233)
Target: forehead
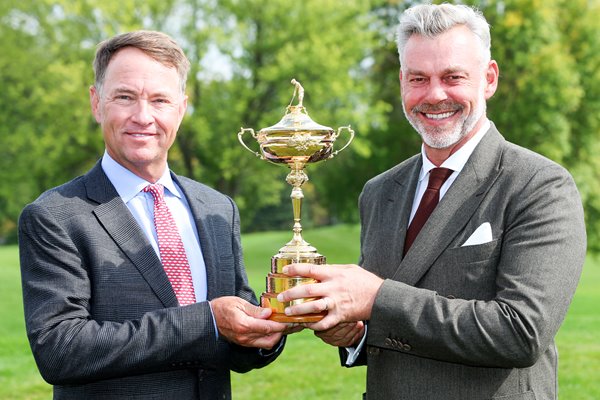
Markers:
point(134, 69)
point(456, 49)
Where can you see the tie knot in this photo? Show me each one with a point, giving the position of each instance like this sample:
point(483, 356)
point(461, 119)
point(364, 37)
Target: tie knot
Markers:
point(437, 177)
point(156, 190)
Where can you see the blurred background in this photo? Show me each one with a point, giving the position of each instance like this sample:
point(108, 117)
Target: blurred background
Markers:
point(244, 54)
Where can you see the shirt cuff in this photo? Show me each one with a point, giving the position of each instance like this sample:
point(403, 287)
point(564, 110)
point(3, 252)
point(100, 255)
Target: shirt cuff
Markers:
point(354, 351)
point(214, 321)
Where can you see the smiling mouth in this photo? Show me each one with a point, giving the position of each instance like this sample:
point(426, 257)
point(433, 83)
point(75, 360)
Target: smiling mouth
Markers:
point(137, 134)
point(440, 116)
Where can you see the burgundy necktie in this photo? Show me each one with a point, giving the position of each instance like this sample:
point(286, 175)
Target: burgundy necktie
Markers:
point(170, 246)
point(431, 197)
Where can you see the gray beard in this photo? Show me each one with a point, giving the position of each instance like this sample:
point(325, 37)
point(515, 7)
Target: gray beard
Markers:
point(442, 138)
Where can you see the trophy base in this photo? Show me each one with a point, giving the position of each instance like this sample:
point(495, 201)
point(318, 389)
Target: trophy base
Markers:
point(278, 282)
point(297, 319)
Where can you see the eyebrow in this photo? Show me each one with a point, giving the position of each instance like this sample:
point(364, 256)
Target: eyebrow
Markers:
point(447, 71)
point(121, 90)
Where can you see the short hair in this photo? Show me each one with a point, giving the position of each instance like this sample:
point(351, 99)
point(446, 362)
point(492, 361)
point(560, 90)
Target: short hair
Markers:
point(160, 46)
point(431, 20)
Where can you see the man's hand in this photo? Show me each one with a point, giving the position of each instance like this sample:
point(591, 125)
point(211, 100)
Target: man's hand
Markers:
point(346, 334)
point(246, 324)
point(347, 293)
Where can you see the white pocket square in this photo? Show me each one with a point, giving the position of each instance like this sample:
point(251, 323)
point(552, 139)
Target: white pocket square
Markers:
point(482, 235)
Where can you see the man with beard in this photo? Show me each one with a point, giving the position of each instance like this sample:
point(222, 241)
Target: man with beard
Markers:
point(470, 251)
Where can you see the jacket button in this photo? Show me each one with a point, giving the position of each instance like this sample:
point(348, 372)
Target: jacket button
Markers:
point(406, 347)
point(387, 342)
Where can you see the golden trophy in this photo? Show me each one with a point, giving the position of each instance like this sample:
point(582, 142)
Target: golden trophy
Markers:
point(295, 141)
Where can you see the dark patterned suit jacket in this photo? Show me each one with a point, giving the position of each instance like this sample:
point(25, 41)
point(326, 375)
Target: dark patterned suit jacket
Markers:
point(472, 322)
point(102, 318)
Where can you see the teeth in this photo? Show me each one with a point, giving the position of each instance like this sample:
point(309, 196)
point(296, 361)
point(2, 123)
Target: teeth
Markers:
point(440, 116)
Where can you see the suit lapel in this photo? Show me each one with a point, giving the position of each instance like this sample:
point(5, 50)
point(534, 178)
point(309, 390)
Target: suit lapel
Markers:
point(399, 192)
point(199, 210)
point(455, 209)
point(118, 222)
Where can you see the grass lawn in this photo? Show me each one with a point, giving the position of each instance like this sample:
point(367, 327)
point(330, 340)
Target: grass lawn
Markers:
point(308, 369)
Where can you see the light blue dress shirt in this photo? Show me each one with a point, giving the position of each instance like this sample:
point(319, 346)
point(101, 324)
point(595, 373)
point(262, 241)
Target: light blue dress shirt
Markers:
point(141, 204)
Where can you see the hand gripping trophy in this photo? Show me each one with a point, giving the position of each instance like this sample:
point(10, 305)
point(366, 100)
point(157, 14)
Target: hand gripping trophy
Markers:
point(295, 141)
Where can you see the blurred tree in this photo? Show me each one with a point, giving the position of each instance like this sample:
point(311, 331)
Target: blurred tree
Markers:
point(549, 94)
point(264, 45)
point(244, 54)
point(579, 25)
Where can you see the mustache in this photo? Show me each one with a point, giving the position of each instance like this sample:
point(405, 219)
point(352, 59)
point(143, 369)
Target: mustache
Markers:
point(446, 105)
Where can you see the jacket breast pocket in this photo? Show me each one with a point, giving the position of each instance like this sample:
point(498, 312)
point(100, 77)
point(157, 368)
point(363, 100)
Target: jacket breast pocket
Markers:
point(475, 253)
point(466, 272)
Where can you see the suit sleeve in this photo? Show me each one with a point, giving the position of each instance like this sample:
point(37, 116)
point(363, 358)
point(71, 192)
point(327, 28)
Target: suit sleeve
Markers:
point(541, 253)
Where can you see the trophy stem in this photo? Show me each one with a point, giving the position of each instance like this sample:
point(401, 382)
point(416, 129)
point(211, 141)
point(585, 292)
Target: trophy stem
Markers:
point(297, 177)
point(297, 196)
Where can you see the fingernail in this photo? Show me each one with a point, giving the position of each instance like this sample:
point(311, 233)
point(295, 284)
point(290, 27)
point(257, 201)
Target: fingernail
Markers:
point(280, 297)
point(287, 311)
point(285, 270)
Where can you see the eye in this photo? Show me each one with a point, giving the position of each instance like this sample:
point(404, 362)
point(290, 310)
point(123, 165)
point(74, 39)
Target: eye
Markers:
point(123, 99)
point(417, 80)
point(454, 78)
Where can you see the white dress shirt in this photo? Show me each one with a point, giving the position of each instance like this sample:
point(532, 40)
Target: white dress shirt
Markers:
point(141, 204)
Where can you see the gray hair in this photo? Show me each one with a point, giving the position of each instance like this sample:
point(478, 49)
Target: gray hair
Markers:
point(157, 45)
point(431, 20)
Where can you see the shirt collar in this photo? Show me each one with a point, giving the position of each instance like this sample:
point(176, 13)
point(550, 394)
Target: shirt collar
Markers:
point(128, 184)
point(456, 161)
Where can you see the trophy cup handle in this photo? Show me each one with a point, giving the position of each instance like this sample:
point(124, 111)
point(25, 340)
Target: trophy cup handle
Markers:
point(350, 131)
point(241, 133)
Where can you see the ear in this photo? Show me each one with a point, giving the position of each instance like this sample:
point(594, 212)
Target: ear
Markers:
point(183, 108)
point(491, 78)
point(95, 104)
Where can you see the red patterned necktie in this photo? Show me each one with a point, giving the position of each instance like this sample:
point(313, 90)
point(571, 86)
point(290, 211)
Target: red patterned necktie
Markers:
point(170, 246)
point(431, 197)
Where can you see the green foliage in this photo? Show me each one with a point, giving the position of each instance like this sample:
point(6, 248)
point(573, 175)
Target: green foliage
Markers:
point(549, 91)
point(244, 54)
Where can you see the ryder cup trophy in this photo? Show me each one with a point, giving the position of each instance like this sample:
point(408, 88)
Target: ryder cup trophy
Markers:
point(294, 141)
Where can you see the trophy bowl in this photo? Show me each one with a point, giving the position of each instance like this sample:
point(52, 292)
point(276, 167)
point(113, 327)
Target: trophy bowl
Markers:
point(296, 140)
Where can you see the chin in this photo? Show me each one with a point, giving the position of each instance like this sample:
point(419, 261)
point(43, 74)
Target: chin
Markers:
point(441, 140)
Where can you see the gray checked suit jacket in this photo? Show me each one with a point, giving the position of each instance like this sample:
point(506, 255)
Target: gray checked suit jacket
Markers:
point(101, 316)
point(474, 322)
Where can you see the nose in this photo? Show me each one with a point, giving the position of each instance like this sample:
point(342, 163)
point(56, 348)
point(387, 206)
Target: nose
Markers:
point(436, 92)
point(142, 114)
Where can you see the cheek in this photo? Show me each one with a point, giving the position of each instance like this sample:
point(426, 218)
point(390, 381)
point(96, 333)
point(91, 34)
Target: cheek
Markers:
point(169, 125)
point(410, 98)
